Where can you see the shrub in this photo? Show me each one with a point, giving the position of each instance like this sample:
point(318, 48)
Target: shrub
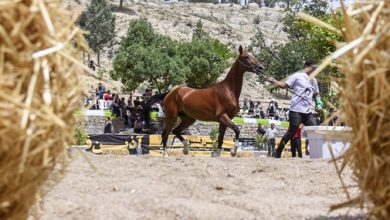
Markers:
point(80, 135)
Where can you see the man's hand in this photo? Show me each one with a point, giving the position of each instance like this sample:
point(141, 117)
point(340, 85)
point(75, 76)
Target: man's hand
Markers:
point(319, 104)
point(271, 79)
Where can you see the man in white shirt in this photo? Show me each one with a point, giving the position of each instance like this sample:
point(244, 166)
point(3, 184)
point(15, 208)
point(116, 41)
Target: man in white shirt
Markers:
point(271, 135)
point(300, 110)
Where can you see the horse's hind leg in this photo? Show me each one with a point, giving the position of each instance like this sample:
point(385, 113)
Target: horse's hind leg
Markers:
point(186, 121)
point(221, 134)
point(169, 123)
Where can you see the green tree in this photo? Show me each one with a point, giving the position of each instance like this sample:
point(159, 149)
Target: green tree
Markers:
point(144, 55)
point(100, 22)
point(206, 57)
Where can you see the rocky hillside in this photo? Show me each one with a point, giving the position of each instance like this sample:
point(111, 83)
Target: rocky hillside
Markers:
point(229, 23)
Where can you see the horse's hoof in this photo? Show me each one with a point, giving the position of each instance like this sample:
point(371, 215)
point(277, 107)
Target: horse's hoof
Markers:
point(233, 153)
point(186, 151)
point(216, 153)
point(165, 154)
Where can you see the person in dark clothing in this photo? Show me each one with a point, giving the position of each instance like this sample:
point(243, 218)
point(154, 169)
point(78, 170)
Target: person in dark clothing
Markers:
point(108, 126)
point(116, 106)
point(251, 107)
point(139, 127)
point(91, 65)
point(137, 102)
point(296, 145)
point(262, 114)
point(260, 130)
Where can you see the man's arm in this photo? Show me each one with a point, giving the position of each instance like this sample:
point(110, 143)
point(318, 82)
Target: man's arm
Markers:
point(280, 84)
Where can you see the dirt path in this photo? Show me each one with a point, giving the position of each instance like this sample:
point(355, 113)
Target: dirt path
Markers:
point(147, 187)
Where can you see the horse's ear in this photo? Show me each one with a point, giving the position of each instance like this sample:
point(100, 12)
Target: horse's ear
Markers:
point(240, 49)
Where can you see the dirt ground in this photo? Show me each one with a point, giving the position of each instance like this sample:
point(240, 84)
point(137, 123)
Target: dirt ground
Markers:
point(179, 187)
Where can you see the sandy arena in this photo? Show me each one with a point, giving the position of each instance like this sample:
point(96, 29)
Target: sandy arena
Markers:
point(179, 187)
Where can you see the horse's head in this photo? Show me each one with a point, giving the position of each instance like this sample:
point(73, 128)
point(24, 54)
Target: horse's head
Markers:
point(248, 61)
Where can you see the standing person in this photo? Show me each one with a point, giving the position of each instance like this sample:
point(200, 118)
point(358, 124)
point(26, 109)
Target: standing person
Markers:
point(271, 135)
point(251, 106)
point(300, 109)
point(245, 106)
point(296, 145)
point(100, 90)
point(91, 65)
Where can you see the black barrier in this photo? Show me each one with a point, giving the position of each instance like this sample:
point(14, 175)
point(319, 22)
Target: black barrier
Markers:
point(132, 140)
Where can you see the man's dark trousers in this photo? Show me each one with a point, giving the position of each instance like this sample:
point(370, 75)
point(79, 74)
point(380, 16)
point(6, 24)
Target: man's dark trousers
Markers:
point(295, 119)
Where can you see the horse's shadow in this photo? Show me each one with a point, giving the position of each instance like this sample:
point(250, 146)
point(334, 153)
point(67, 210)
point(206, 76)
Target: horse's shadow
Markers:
point(340, 217)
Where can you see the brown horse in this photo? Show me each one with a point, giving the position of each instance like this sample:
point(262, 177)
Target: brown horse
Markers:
point(218, 103)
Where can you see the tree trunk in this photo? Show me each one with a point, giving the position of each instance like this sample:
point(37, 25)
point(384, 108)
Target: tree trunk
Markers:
point(286, 93)
point(120, 4)
point(98, 57)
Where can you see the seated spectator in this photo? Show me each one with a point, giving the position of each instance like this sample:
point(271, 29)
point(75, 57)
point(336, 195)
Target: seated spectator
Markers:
point(108, 126)
point(113, 96)
point(107, 96)
point(271, 109)
point(139, 126)
point(257, 111)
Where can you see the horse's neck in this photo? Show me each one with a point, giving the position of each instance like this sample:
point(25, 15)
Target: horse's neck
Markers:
point(234, 80)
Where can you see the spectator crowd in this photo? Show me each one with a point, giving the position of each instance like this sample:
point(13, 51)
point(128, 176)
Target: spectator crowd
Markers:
point(254, 109)
point(132, 109)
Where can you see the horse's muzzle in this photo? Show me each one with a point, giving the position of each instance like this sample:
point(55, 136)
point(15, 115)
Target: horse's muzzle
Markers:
point(258, 69)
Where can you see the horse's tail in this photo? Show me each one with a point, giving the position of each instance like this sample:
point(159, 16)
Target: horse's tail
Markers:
point(146, 108)
point(154, 99)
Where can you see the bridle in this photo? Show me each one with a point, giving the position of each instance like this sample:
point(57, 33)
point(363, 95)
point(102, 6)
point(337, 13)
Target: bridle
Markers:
point(256, 68)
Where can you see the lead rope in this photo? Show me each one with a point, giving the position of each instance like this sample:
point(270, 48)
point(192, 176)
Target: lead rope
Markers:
point(258, 72)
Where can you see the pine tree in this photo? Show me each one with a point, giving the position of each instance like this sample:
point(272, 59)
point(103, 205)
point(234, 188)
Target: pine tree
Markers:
point(198, 31)
point(100, 22)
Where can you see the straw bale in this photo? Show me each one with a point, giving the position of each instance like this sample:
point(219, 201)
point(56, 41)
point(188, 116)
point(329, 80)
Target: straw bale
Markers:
point(39, 92)
point(365, 93)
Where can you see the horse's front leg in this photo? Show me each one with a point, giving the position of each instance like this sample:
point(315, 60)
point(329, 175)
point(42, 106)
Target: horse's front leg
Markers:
point(221, 135)
point(225, 120)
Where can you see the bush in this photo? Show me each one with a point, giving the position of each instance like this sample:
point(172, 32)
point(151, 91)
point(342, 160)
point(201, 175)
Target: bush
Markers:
point(80, 135)
point(261, 142)
point(214, 137)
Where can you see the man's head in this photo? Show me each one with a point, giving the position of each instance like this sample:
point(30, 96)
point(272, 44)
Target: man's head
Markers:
point(260, 126)
point(310, 66)
point(272, 125)
point(108, 91)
